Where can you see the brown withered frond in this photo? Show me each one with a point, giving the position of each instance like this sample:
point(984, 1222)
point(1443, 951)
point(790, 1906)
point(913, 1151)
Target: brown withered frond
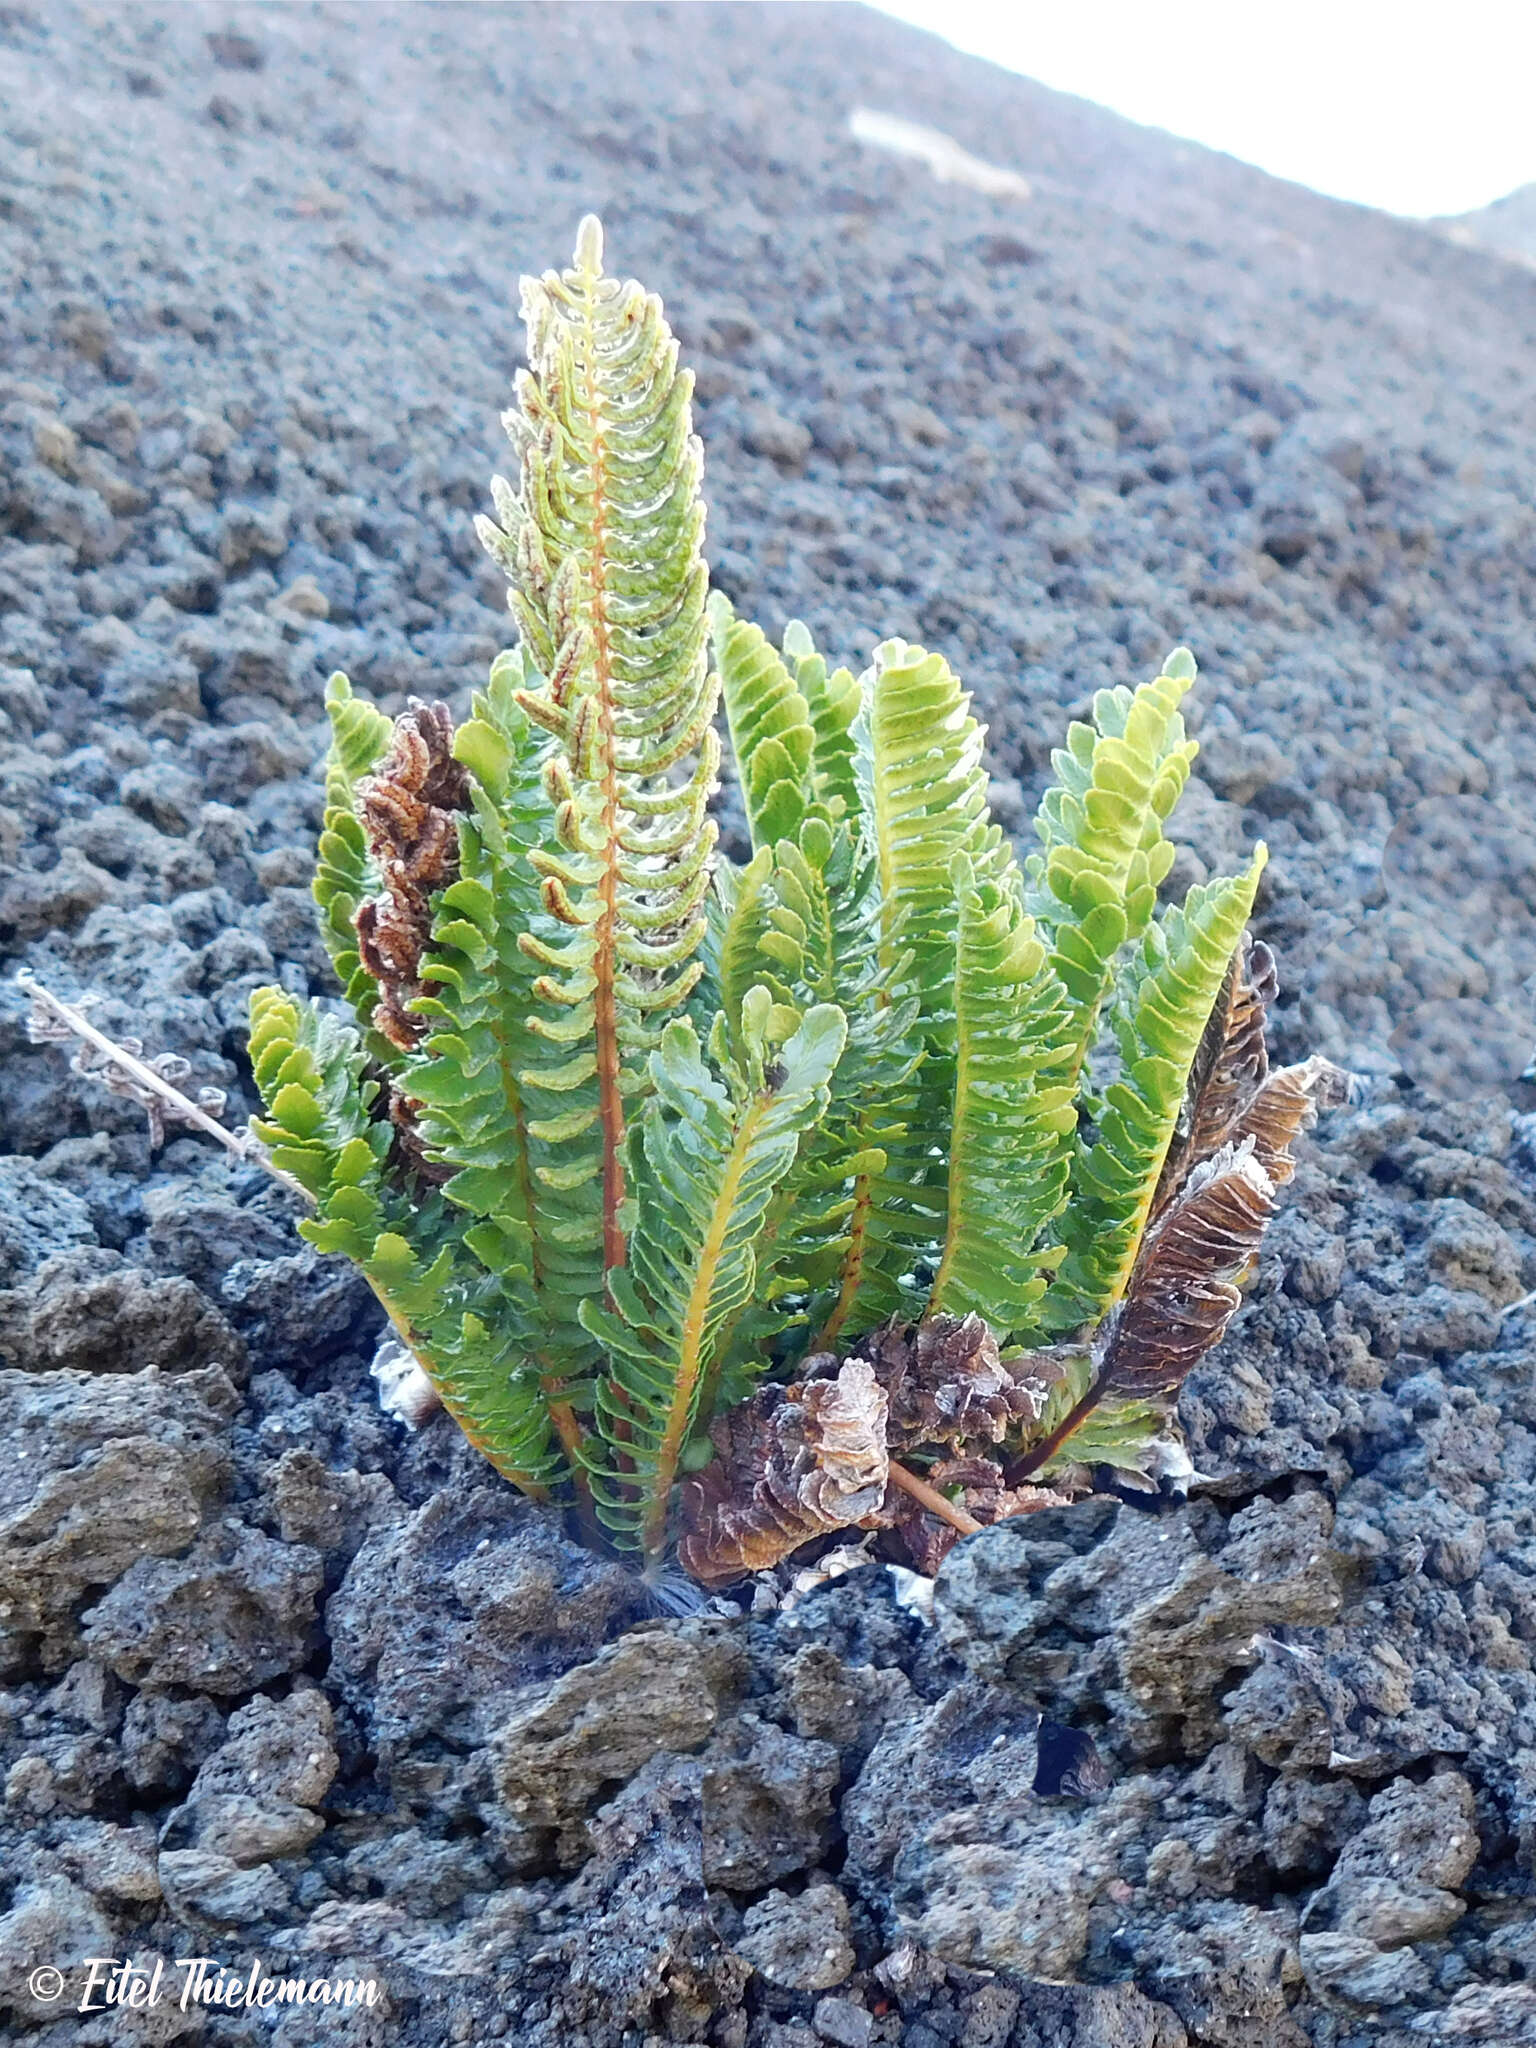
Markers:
point(983, 1493)
point(946, 1383)
point(793, 1463)
point(409, 815)
point(1284, 1107)
point(1184, 1291)
point(1229, 1067)
point(1184, 1288)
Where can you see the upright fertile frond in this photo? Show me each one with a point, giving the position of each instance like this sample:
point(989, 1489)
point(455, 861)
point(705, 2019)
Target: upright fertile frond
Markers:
point(447, 1309)
point(771, 733)
point(710, 1147)
point(1159, 1020)
point(1015, 1109)
point(602, 544)
point(1094, 887)
point(345, 875)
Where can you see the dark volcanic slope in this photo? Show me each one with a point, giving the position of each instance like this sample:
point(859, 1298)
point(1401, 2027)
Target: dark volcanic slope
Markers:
point(258, 318)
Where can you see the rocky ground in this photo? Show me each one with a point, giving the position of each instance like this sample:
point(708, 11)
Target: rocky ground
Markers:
point(280, 1680)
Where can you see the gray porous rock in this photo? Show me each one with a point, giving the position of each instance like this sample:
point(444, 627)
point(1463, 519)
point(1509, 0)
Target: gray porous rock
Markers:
point(639, 1935)
point(767, 1803)
point(206, 1885)
point(237, 1610)
point(1147, 1617)
point(1231, 1971)
point(1397, 1879)
point(843, 2022)
point(117, 1865)
point(93, 1311)
point(51, 1924)
point(566, 1742)
point(165, 1738)
point(798, 1939)
point(445, 1614)
point(253, 1800)
point(100, 1475)
point(38, 1217)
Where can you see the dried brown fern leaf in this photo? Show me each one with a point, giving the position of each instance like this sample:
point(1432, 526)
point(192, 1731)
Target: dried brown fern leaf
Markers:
point(1284, 1106)
point(792, 1463)
point(946, 1382)
point(1184, 1289)
point(409, 812)
point(980, 1489)
point(1229, 1067)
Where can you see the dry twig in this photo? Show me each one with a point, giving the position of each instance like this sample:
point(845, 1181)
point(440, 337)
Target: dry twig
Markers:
point(118, 1065)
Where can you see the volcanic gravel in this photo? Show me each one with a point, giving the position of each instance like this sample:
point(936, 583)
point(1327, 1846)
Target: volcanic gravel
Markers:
point(282, 1681)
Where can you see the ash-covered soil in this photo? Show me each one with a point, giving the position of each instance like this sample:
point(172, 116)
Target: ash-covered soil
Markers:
point(281, 1681)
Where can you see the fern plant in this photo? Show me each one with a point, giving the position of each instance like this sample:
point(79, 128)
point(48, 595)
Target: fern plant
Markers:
point(880, 1180)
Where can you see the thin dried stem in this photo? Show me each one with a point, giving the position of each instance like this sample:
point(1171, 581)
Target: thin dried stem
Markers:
point(53, 1021)
point(935, 1502)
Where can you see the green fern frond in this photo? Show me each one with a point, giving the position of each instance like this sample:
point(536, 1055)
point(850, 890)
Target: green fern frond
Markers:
point(845, 1204)
point(714, 1141)
point(451, 1314)
point(771, 733)
point(864, 1205)
point(1158, 1020)
point(741, 939)
point(833, 703)
point(602, 544)
point(1015, 1112)
point(1094, 887)
point(481, 1079)
point(923, 799)
point(344, 872)
point(1113, 1432)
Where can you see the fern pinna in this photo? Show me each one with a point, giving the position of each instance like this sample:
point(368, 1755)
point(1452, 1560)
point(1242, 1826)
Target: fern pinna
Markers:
point(877, 1181)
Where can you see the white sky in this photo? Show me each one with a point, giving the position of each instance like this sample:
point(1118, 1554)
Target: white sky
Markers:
point(1418, 108)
